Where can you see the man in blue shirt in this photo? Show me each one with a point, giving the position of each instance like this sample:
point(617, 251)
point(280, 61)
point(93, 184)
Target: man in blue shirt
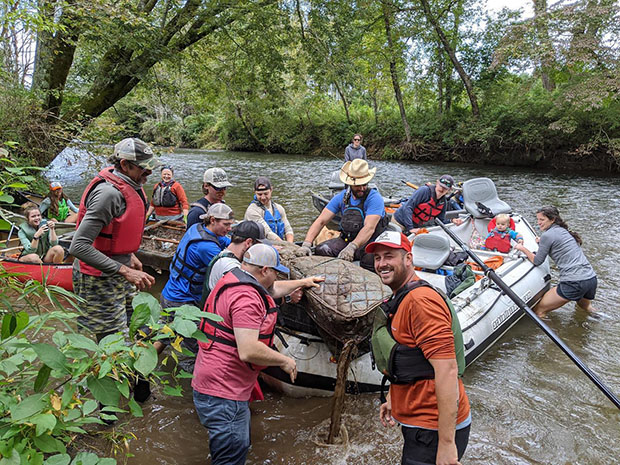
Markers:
point(362, 213)
point(428, 203)
point(200, 243)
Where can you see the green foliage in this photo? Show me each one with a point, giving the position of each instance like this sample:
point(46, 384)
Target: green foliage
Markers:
point(53, 378)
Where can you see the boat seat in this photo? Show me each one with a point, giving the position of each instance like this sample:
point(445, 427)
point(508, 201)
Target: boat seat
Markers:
point(479, 193)
point(430, 251)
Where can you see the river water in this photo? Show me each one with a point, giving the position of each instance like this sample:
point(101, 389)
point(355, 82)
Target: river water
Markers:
point(530, 404)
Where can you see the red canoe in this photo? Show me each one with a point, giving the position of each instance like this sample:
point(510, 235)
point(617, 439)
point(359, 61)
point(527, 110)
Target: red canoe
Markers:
point(52, 274)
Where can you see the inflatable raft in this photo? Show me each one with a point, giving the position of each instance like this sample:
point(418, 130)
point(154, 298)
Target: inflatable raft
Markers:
point(485, 314)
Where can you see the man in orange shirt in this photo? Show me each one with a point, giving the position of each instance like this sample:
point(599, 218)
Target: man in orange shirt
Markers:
point(434, 413)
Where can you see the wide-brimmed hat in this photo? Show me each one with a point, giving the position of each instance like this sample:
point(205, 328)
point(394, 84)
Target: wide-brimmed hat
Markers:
point(356, 172)
point(137, 151)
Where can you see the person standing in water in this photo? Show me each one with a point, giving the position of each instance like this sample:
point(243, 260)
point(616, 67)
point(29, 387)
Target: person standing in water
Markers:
point(577, 277)
point(355, 149)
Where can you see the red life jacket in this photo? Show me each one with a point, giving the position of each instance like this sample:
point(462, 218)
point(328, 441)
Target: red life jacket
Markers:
point(122, 235)
point(425, 212)
point(220, 332)
point(499, 241)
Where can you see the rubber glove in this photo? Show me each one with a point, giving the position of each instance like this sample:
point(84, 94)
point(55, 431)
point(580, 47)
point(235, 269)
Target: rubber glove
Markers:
point(348, 252)
point(305, 248)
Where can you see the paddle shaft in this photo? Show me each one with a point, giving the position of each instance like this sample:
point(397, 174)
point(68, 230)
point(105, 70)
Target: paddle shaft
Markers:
point(410, 184)
point(541, 324)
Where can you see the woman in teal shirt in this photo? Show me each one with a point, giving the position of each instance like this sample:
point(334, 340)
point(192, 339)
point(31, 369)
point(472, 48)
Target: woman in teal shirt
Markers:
point(38, 237)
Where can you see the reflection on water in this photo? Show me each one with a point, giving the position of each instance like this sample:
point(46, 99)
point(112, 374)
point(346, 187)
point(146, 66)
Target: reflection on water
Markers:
point(530, 404)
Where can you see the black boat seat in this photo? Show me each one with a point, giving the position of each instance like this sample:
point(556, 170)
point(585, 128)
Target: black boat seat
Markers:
point(479, 193)
point(430, 251)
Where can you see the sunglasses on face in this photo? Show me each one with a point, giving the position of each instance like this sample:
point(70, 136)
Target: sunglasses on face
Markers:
point(357, 140)
point(446, 182)
point(219, 189)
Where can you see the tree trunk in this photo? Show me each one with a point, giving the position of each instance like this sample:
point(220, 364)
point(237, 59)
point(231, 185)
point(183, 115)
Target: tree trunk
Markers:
point(375, 105)
point(249, 129)
point(546, 47)
point(393, 73)
point(54, 57)
point(452, 54)
point(440, 79)
point(344, 101)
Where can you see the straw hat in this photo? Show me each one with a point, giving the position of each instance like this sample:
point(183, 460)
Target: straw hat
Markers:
point(356, 172)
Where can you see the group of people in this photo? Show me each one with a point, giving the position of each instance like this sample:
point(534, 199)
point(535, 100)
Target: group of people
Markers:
point(237, 278)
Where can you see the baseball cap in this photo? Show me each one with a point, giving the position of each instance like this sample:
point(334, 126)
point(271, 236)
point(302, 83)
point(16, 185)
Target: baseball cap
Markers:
point(446, 181)
point(264, 255)
point(217, 177)
point(262, 181)
point(393, 239)
point(249, 230)
point(55, 186)
point(136, 150)
point(219, 211)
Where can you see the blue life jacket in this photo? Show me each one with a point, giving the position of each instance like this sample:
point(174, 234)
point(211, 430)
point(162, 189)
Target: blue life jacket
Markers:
point(182, 267)
point(275, 222)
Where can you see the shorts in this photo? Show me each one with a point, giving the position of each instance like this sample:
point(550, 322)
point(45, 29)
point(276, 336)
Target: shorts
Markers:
point(108, 302)
point(577, 290)
point(420, 446)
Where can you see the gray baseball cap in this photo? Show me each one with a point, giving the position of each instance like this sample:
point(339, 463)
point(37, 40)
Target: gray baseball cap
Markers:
point(217, 177)
point(219, 211)
point(264, 255)
point(136, 150)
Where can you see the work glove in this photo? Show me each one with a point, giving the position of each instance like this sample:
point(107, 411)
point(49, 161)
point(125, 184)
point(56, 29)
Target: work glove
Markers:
point(348, 252)
point(305, 248)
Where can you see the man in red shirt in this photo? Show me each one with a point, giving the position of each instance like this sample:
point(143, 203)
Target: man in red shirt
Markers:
point(434, 413)
point(227, 366)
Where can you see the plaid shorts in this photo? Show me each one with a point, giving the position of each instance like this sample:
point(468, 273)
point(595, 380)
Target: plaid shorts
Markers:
point(108, 302)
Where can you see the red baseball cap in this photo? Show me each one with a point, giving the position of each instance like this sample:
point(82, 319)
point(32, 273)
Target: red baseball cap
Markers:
point(393, 239)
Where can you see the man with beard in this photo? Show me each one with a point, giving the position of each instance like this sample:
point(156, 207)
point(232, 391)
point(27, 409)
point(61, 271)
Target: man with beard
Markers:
point(214, 185)
point(362, 217)
point(432, 409)
point(106, 273)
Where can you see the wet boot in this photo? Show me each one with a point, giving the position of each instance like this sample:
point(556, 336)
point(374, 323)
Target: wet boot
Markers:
point(142, 390)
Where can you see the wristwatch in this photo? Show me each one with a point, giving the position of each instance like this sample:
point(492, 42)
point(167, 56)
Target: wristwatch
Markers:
point(287, 299)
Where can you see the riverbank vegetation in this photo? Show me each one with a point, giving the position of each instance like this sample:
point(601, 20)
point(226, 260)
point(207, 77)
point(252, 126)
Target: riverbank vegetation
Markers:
point(427, 80)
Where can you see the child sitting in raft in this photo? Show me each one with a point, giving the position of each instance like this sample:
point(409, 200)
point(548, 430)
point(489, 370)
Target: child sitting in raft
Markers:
point(499, 237)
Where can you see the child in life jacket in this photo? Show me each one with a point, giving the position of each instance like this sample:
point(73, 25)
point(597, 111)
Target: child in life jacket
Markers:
point(499, 237)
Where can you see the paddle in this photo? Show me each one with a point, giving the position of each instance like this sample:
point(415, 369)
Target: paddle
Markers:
point(523, 306)
point(410, 184)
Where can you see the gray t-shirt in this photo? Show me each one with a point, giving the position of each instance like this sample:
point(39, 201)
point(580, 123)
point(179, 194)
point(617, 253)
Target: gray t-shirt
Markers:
point(566, 253)
point(220, 268)
point(104, 203)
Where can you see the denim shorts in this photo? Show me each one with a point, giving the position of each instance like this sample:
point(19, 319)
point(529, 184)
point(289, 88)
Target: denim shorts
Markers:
point(577, 290)
point(228, 422)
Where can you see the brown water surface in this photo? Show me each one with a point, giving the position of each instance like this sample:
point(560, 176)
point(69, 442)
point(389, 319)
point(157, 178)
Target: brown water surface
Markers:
point(530, 404)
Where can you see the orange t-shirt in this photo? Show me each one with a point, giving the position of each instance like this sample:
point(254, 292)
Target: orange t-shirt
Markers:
point(182, 204)
point(423, 320)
